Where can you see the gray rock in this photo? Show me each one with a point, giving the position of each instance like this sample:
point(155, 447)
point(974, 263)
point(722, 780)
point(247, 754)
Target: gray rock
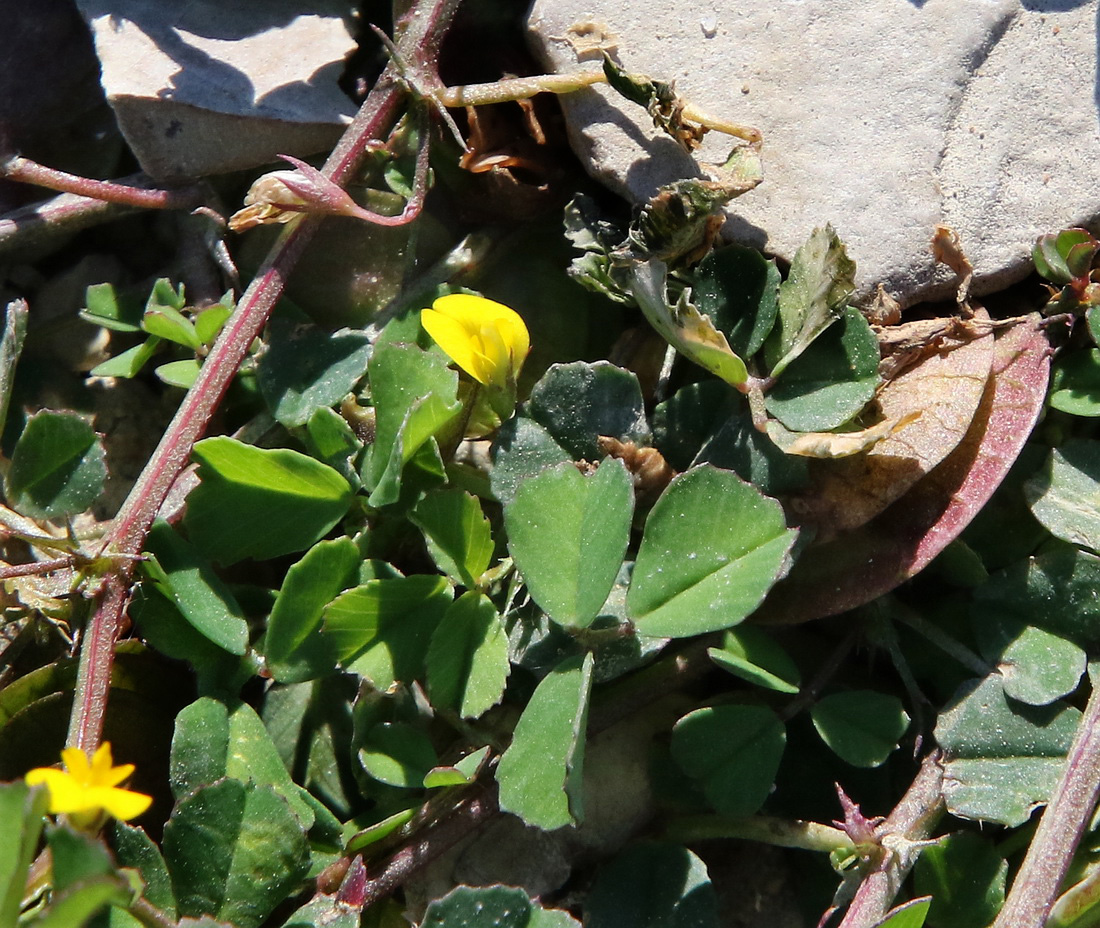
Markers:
point(884, 117)
point(207, 86)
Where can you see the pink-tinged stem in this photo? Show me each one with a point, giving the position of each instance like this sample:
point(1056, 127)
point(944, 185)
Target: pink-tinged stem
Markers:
point(425, 25)
point(135, 194)
point(10, 571)
point(911, 822)
point(1064, 821)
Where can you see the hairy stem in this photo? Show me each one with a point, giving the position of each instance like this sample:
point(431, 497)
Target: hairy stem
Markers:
point(41, 224)
point(1063, 823)
point(910, 823)
point(426, 23)
point(439, 837)
point(131, 191)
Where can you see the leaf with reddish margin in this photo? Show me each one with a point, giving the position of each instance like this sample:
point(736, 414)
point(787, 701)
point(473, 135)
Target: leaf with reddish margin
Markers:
point(858, 566)
point(946, 389)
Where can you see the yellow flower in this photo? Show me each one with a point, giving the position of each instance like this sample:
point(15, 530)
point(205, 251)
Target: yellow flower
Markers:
point(85, 790)
point(486, 339)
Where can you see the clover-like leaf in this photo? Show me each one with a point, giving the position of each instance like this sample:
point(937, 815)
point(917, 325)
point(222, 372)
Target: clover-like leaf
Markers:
point(235, 851)
point(186, 578)
point(260, 503)
point(459, 536)
point(712, 547)
point(682, 325)
point(467, 660)
point(1064, 495)
point(381, 629)
point(734, 751)
point(568, 534)
point(862, 727)
point(656, 884)
point(305, 368)
point(1003, 758)
point(812, 297)
point(58, 466)
point(294, 646)
point(540, 773)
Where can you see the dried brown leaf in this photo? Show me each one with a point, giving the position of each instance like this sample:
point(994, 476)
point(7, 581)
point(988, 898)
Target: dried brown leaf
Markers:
point(861, 565)
point(946, 388)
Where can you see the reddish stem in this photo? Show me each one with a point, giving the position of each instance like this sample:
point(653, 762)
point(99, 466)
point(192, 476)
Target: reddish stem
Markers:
point(911, 822)
point(426, 23)
point(26, 171)
point(1060, 830)
point(10, 571)
point(40, 224)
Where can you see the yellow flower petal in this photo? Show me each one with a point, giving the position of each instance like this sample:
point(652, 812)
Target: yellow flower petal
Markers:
point(488, 340)
point(123, 804)
point(85, 790)
point(456, 340)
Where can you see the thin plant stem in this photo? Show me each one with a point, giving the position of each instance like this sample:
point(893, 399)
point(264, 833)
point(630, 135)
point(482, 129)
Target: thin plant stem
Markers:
point(11, 571)
point(1060, 829)
point(459, 823)
point(523, 88)
point(427, 22)
point(901, 836)
point(41, 224)
point(825, 673)
point(935, 635)
point(130, 191)
point(807, 836)
point(519, 88)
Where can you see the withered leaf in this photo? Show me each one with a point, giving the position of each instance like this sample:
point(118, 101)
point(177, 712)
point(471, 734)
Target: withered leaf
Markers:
point(859, 566)
point(837, 444)
point(813, 297)
point(945, 387)
point(683, 326)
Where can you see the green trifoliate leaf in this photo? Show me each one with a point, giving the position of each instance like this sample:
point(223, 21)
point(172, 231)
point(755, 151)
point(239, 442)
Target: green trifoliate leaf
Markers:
point(734, 751)
point(22, 812)
point(832, 381)
point(235, 852)
point(397, 754)
point(58, 466)
point(459, 536)
point(965, 875)
point(381, 629)
point(498, 906)
point(215, 740)
point(1003, 757)
point(294, 646)
point(654, 884)
point(578, 402)
point(753, 655)
point(738, 289)
point(862, 727)
point(259, 503)
point(1065, 494)
point(305, 368)
point(188, 580)
point(467, 661)
point(103, 306)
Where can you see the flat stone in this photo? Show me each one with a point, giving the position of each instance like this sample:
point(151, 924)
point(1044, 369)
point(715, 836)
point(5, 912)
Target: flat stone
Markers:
point(206, 87)
point(883, 117)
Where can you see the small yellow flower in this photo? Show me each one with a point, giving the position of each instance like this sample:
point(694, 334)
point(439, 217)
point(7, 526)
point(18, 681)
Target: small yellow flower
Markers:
point(486, 339)
point(85, 790)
